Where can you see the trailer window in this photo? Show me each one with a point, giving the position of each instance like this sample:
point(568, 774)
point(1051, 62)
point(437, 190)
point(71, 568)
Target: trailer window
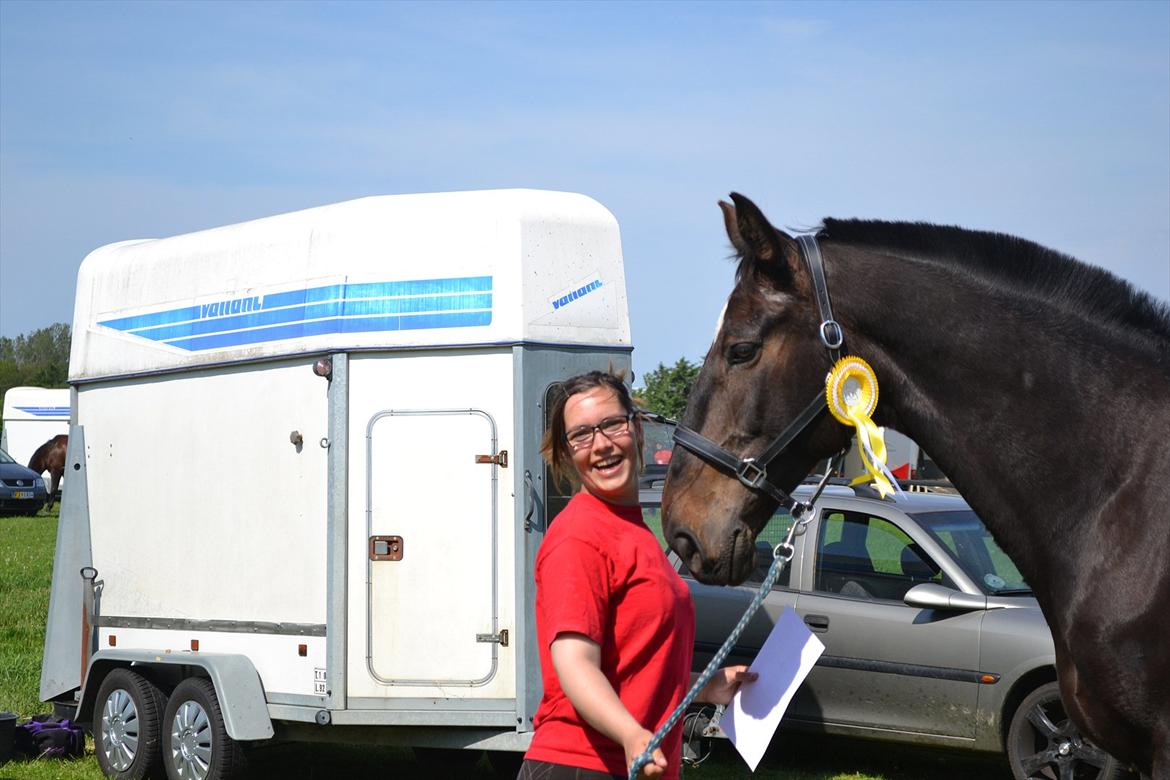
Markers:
point(556, 495)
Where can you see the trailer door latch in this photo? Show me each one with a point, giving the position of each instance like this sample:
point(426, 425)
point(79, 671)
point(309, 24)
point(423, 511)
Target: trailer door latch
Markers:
point(500, 460)
point(500, 638)
point(385, 548)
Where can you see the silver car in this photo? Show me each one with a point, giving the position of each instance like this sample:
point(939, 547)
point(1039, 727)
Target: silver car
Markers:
point(931, 636)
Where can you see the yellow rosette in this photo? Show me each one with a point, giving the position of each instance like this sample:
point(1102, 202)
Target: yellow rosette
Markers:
point(851, 392)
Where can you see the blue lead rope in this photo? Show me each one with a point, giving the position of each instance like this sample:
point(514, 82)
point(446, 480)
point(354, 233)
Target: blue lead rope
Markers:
point(783, 554)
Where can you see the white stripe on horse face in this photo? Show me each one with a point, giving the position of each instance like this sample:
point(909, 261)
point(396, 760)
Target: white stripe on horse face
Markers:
point(719, 322)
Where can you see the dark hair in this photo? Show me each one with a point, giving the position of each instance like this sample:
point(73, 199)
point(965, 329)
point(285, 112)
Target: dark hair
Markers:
point(554, 446)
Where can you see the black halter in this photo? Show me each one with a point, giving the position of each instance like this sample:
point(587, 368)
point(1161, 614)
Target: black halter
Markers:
point(753, 472)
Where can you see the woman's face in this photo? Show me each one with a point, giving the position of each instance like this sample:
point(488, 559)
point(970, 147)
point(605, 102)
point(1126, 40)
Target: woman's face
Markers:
point(608, 467)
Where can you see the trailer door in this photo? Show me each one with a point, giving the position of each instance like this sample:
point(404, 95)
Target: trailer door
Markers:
point(431, 531)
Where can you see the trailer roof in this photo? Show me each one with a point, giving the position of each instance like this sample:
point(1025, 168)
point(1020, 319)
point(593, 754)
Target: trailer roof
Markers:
point(383, 272)
point(36, 403)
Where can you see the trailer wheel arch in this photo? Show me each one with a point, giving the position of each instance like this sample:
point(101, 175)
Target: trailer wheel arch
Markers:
point(237, 685)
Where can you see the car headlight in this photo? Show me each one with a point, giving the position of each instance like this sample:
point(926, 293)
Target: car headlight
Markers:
point(38, 482)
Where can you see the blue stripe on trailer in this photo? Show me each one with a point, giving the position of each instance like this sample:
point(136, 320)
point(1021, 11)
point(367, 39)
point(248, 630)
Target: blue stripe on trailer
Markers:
point(335, 325)
point(44, 411)
point(344, 308)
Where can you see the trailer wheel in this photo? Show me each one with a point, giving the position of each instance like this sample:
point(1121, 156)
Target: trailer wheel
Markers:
point(126, 726)
point(196, 745)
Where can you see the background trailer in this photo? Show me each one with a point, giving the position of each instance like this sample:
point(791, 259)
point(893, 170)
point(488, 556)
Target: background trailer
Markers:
point(305, 480)
point(32, 416)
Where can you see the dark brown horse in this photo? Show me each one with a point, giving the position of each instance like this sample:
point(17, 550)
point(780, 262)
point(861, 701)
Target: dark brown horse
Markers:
point(1040, 385)
point(50, 457)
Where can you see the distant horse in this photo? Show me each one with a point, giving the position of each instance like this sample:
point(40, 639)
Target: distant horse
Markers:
point(1040, 385)
point(50, 457)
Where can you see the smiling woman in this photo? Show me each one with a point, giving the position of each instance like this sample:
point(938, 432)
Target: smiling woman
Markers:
point(615, 623)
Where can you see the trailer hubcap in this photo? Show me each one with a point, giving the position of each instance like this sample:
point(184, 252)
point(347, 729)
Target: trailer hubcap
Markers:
point(120, 730)
point(191, 742)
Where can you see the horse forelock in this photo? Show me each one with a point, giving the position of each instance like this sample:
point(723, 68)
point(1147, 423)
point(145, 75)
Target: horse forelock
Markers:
point(1017, 265)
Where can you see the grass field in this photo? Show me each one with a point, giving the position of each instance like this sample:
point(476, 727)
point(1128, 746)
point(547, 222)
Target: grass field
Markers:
point(26, 556)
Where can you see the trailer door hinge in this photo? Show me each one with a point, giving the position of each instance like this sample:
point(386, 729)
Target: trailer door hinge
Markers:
point(501, 638)
point(500, 460)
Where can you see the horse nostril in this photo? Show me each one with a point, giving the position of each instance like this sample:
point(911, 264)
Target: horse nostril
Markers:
point(685, 545)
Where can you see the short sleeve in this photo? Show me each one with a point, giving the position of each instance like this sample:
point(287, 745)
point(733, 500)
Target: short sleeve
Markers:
point(572, 591)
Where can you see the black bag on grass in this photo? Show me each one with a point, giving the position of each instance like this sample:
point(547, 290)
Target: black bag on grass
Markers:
point(44, 736)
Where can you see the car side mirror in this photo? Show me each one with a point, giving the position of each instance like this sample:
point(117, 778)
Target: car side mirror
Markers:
point(931, 595)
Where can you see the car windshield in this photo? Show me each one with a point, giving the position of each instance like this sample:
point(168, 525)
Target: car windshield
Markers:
point(658, 442)
point(5, 457)
point(971, 545)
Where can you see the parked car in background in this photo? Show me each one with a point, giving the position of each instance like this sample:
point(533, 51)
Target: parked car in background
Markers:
point(22, 492)
point(931, 635)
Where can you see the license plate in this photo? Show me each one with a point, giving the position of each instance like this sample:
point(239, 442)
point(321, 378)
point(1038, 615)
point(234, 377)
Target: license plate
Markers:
point(22, 494)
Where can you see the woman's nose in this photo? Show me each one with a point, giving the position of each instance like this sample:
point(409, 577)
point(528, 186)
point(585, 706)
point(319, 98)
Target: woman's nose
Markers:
point(601, 442)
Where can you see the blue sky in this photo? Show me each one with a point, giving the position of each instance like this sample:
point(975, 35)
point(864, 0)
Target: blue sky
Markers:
point(127, 120)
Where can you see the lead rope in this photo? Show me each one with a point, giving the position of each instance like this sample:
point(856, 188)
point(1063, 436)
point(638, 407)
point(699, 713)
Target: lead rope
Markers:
point(782, 553)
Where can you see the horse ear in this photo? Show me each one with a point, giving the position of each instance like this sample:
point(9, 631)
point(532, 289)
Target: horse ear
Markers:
point(732, 228)
point(754, 236)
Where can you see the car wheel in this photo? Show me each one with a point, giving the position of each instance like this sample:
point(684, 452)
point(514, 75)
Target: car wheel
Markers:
point(1044, 744)
point(196, 745)
point(126, 726)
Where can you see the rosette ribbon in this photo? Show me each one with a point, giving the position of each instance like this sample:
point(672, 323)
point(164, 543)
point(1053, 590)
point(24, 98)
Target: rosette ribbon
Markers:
point(851, 393)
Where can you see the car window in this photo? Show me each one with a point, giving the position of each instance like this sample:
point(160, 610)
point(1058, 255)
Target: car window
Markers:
point(652, 515)
point(771, 535)
point(972, 547)
point(867, 557)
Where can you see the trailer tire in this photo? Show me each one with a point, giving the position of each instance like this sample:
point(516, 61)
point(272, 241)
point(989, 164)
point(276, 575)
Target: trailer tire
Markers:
point(196, 745)
point(127, 726)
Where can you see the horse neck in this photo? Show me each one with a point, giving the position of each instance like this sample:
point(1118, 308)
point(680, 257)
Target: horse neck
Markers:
point(1027, 407)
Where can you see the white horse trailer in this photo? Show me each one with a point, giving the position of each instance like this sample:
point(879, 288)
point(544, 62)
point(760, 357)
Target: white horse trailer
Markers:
point(306, 488)
point(32, 416)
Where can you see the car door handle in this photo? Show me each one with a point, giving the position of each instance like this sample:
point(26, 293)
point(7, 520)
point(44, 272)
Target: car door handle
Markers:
point(818, 623)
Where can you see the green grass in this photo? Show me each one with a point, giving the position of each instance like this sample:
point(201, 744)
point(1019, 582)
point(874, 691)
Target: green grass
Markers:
point(26, 555)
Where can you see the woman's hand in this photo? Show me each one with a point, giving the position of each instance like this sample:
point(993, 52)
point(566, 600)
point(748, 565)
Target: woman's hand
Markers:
point(724, 683)
point(635, 745)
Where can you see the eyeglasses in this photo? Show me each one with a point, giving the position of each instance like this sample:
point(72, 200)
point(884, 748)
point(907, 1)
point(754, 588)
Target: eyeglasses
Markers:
point(581, 437)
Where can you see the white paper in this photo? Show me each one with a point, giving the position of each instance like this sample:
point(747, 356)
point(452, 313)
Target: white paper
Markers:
point(783, 662)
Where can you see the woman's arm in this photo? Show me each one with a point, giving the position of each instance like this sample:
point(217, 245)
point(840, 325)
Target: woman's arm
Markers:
point(577, 660)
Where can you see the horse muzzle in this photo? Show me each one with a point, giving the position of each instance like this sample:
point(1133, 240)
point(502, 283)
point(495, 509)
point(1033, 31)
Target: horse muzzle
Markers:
point(729, 561)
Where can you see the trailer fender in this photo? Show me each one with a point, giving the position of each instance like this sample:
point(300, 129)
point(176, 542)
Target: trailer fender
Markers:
point(237, 685)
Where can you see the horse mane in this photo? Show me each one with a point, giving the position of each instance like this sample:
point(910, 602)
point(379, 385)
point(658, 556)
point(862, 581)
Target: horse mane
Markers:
point(1027, 266)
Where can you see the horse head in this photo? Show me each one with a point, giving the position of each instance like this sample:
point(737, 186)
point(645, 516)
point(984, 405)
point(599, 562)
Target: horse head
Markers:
point(766, 363)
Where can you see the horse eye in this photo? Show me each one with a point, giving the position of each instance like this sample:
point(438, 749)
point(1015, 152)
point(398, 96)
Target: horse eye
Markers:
point(743, 351)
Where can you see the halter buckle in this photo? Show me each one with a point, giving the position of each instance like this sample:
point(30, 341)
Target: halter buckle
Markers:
point(757, 475)
point(832, 335)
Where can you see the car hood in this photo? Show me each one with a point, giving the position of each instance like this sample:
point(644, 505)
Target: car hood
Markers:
point(11, 471)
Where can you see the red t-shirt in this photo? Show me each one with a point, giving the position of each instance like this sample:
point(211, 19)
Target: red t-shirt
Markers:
point(601, 572)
